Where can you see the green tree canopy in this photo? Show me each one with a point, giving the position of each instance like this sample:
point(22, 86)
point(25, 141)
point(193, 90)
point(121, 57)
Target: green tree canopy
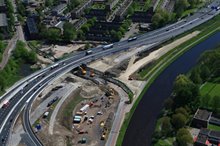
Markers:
point(183, 137)
point(69, 32)
point(166, 126)
point(185, 91)
point(179, 120)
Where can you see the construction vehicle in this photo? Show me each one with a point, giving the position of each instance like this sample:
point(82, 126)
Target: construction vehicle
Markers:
point(92, 74)
point(83, 71)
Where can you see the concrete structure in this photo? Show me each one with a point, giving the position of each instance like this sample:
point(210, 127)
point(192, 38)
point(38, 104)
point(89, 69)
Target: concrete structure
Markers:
point(3, 20)
point(79, 11)
point(59, 9)
point(201, 118)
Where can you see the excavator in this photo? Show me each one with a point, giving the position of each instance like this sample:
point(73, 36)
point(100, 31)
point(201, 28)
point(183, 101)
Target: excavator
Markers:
point(83, 71)
point(92, 74)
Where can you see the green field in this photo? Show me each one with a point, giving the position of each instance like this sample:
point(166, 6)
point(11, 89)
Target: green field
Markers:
point(213, 127)
point(210, 89)
point(165, 142)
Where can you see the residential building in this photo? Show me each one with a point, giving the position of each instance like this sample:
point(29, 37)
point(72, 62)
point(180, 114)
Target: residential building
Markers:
point(207, 137)
point(59, 9)
point(143, 16)
point(2, 6)
point(110, 4)
point(123, 10)
point(201, 118)
point(3, 21)
point(32, 28)
point(79, 11)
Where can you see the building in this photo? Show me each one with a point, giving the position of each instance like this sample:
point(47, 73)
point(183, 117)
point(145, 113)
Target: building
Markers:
point(3, 20)
point(143, 16)
point(59, 9)
point(2, 6)
point(79, 11)
point(100, 14)
point(110, 4)
point(201, 118)
point(207, 137)
point(123, 10)
point(32, 28)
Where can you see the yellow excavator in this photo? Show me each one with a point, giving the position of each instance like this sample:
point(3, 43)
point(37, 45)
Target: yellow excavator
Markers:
point(83, 71)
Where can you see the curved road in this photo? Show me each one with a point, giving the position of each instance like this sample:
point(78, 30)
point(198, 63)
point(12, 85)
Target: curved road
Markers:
point(26, 94)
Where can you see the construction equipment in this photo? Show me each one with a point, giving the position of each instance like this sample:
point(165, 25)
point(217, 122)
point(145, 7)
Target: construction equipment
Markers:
point(83, 71)
point(92, 74)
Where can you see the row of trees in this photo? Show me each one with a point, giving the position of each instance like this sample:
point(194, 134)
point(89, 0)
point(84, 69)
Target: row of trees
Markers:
point(11, 72)
point(55, 34)
point(163, 17)
point(186, 98)
point(10, 15)
point(183, 5)
point(178, 107)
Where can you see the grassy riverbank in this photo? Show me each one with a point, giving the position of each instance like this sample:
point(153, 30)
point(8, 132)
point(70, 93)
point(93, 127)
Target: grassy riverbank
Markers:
point(207, 29)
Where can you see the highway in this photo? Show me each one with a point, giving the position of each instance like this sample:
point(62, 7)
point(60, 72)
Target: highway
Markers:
point(23, 97)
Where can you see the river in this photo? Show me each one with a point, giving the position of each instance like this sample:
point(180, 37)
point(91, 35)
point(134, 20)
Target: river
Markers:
point(142, 124)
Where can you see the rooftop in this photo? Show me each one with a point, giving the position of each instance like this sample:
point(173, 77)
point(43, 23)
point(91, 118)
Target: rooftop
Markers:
point(208, 136)
point(3, 20)
point(201, 139)
point(202, 114)
point(60, 7)
point(31, 25)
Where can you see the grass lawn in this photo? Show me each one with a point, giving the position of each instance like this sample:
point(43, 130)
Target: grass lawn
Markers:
point(210, 89)
point(67, 112)
point(213, 127)
point(165, 142)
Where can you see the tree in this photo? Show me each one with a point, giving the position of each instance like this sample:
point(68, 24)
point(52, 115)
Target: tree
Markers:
point(185, 91)
point(87, 46)
point(53, 34)
point(72, 4)
point(181, 6)
point(183, 137)
point(183, 111)
point(2, 83)
point(195, 76)
point(168, 103)
point(85, 28)
point(166, 127)
point(156, 19)
point(179, 120)
point(193, 3)
point(49, 3)
point(81, 35)
point(21, 9)
point(204, 72)
point(69, 32)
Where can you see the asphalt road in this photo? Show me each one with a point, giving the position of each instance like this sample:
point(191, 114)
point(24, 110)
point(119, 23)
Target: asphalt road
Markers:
point(37, 82)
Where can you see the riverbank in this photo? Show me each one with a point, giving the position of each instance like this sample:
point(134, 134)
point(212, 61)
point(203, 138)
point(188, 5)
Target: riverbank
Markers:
point(206, 29)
